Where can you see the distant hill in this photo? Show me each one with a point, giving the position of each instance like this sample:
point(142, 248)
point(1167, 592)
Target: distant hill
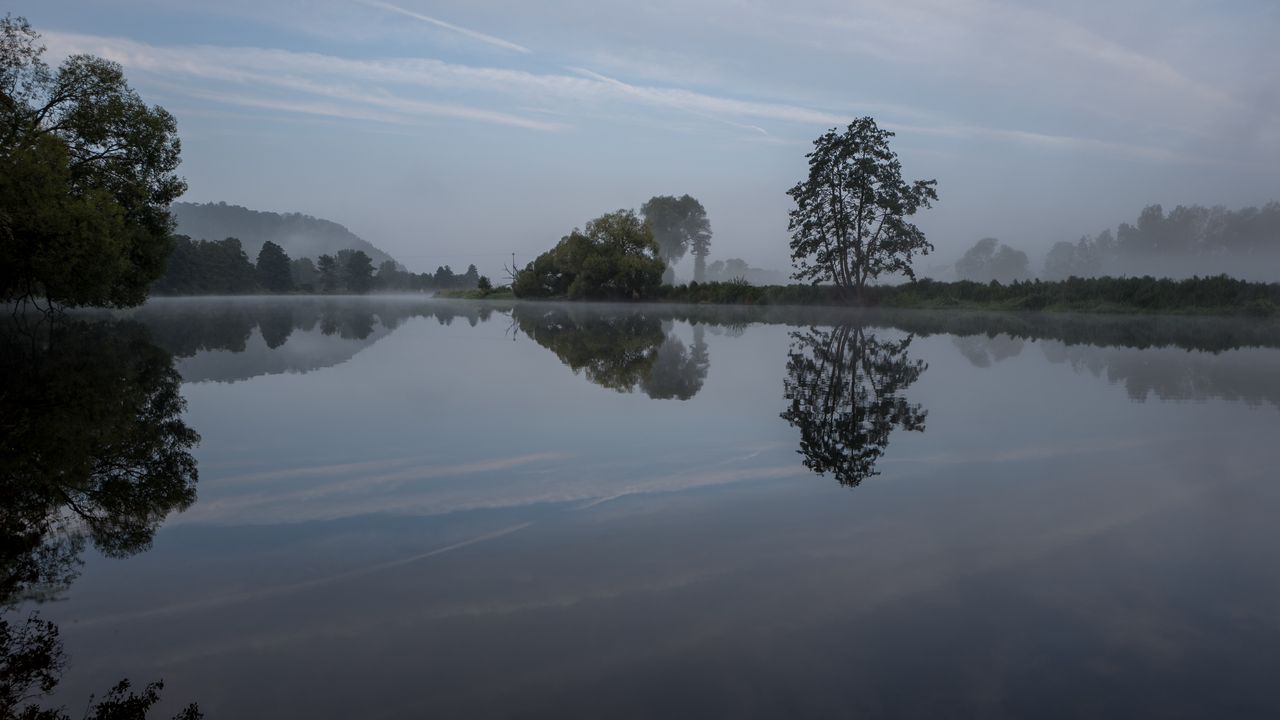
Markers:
point(300, 235)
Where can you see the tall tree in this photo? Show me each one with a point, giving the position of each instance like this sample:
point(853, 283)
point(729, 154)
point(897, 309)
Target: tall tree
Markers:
point(86, 178)
point(327, 267)
point(303, 273)
point(357, 270)
point(273, 268)
point(679, 225)
point(849, 224)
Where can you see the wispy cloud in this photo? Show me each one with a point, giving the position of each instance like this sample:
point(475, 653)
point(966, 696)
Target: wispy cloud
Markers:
point(478, 36)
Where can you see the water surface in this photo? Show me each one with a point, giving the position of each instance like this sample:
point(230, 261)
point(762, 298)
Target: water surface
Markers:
point(410, 508)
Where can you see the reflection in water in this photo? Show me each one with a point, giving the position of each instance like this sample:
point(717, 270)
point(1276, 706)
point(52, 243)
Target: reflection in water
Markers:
point(845, 390)
point(92, 449)
point(983, 350)
point(620, 351)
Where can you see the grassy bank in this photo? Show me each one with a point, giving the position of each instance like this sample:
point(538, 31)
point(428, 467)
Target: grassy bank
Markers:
point(1219, 295)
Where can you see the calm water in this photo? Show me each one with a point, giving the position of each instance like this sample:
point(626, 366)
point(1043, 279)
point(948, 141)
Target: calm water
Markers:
point(412, 508)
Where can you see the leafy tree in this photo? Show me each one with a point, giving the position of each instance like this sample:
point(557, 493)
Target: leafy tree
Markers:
point(845, 389)
point(304, 274)
point(849, 224)
point(86, 178)
point(989, 259)
point(484, 284)
point(470, 278)
point(615, 257)
point(357, 270)
point(199, 267)
point(679, 225)
point(274, 271)
point(327, 268)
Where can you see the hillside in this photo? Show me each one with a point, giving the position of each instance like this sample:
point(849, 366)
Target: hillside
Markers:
point(299, 235)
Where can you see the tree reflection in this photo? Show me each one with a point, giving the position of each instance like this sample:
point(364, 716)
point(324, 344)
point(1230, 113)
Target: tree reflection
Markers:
point(845, 386)
point(620, 351)
point(93, 449)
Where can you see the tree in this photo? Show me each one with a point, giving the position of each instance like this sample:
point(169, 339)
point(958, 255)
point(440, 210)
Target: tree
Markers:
point(86, 178)
point(849, 224)
point(327, 268)
point(616, 257)
point(989, 259)
point(357, 270)
point(274, 271)
point(484, 285)
point(679, 225)
point(304, 274)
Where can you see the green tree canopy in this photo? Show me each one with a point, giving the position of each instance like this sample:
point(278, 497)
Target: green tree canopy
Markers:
point(849, 223)
point(614, 258)
point(274, 271)
point(86, 178)
point(679, 225)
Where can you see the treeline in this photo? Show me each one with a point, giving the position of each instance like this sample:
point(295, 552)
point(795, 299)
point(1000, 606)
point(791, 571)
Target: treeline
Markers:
point(1213, 295)
point(222, 267)
point(1189, 241)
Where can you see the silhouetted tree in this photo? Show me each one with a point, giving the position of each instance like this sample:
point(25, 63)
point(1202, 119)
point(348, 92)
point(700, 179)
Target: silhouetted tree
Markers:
point(849, 224)
point(327, 268)
point(274, 271)
point(357, 270)
point(304, 274)
point(845, 389)
point(86, 177)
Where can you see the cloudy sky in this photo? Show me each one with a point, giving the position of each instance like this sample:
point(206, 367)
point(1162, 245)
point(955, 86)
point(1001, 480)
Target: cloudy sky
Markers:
point(457, 131)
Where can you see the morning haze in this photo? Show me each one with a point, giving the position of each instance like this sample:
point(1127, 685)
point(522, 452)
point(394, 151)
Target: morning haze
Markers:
point(436, 358)
point(456, 133)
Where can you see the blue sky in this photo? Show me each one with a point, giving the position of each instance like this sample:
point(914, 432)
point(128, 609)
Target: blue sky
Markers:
point(448, 131)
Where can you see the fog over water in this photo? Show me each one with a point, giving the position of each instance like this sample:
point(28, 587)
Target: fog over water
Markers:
point(493, 509)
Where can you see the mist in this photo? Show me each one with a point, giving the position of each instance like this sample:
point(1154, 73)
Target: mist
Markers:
point(510, 126)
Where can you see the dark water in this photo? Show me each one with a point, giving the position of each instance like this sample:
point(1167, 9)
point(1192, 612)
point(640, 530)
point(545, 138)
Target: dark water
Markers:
point(409, 508)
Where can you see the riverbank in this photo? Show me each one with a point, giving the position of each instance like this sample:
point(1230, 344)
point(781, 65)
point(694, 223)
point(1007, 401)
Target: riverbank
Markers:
point(1219, 295)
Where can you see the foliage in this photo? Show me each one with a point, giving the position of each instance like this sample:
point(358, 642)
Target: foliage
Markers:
point(327, 269)
point(86, 177)
point(483, 284)
point(1217, 295)
point(679, 225)
point(200, 267)
point(356, 269)
point(989, 259)
point(304, 274)
point(616, 257)
point(849, 225)
point(274, 269)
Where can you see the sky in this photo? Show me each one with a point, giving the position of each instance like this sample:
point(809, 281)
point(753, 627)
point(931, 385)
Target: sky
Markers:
point(462, 131)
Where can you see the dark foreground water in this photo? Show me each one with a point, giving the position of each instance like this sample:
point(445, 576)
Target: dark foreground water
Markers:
point(411, 508)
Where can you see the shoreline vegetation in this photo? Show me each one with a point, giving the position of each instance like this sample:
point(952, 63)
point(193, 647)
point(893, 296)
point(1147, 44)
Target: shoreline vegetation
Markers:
point(1219, 295)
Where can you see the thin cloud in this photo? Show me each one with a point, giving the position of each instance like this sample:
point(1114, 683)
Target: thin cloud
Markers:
point(481, 37)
